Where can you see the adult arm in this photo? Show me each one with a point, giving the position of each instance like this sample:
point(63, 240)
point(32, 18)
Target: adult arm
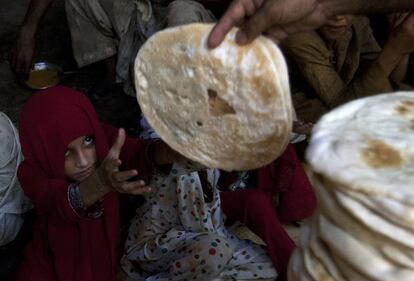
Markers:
point(309, 53)
point(279, 18)
point(25, 44)
point(399, 46)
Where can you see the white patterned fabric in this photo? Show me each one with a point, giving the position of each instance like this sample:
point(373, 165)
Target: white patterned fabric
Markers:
point(13, 203)
point(179, 233)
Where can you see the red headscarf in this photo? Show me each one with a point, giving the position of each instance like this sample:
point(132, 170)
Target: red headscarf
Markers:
point(59, 249)
point(50, 120)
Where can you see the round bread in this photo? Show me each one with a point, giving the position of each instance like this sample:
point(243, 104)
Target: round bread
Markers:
point(227, 108)
point(367, 146)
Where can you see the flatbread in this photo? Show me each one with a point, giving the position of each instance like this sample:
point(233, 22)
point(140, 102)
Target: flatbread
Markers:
point(321, 252)
point(311, 263)
point(341, 217)
point(227, 108)
point(376, 222)
point(367, 146)
point(296, 270)
point(398, 213)
point(362, 167)
point(362, 257)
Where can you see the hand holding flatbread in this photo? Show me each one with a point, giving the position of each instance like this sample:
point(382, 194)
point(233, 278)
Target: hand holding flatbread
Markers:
point(227, 108)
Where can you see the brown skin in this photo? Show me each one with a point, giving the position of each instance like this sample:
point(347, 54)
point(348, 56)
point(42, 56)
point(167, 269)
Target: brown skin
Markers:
point(24, 49)
point(395, 21)
point(26, 40)
point(80, 166)
point(80, 158)
point(279, 18)
point(394, 56)
point(335, 27)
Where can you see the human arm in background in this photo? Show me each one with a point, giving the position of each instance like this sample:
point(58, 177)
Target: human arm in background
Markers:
point(309, 53)
point(279, 18)
point(26, 40)
point(401, 26)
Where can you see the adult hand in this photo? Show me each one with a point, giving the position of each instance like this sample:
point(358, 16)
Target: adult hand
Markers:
point(110, 176)
point(23, 51)
point(274, 18)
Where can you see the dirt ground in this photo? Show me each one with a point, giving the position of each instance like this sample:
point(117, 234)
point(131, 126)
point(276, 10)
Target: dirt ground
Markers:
point(53, 45)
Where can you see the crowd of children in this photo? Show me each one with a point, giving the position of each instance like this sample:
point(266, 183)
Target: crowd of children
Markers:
point(75, 168)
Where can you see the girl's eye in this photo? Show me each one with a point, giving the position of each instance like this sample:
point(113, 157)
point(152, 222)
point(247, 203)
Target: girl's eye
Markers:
point(89, 140)
point(67, 153)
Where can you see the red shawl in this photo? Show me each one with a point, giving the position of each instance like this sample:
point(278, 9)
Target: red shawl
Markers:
point(64, 246)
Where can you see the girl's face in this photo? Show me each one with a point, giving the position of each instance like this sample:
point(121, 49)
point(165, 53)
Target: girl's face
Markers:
point(336, 27)
point(80, 158)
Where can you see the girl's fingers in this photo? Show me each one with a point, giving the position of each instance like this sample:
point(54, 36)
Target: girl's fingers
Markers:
point(131, 187)
point(141, 190)
point(124, 175)
point(116, 148)
point(112, 164)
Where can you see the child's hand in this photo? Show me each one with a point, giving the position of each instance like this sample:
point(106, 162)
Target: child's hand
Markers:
point(110, 176)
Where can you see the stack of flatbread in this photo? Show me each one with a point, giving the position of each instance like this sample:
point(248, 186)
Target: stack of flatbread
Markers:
point(362, 161)
point(227, 108)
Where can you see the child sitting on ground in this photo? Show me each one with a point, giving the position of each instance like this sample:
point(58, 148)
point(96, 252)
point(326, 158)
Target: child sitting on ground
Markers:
point(179, 233)
point(342, 61)
point(73, 170)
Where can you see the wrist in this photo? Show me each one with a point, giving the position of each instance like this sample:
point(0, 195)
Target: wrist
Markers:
point(387, 60)
point(28, 31)
point(392, 51)
point(100, 184)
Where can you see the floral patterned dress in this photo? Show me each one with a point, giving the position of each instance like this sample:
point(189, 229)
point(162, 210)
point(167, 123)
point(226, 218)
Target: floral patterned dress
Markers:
point(179, 233)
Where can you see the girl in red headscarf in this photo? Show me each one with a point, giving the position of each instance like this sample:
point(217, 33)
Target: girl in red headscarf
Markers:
point(73, 169)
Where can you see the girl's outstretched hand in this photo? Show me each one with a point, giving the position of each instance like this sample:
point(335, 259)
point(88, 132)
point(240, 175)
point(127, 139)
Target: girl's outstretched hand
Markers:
point(112, 178)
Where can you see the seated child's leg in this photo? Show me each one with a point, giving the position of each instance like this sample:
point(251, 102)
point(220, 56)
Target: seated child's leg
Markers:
point(203, 259)
point(286, 178)
point(256, 211)
point(178, 255)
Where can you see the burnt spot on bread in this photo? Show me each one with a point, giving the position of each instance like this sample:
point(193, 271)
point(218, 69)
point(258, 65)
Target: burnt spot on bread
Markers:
point(218, 106)
point(378, 154)
point(405, 107)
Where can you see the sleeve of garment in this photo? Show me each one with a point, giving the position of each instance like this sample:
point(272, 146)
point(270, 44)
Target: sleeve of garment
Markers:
point(75, 199)
point(133, 154)
point(369, 45)
point(310, 54)
point(49, 196)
